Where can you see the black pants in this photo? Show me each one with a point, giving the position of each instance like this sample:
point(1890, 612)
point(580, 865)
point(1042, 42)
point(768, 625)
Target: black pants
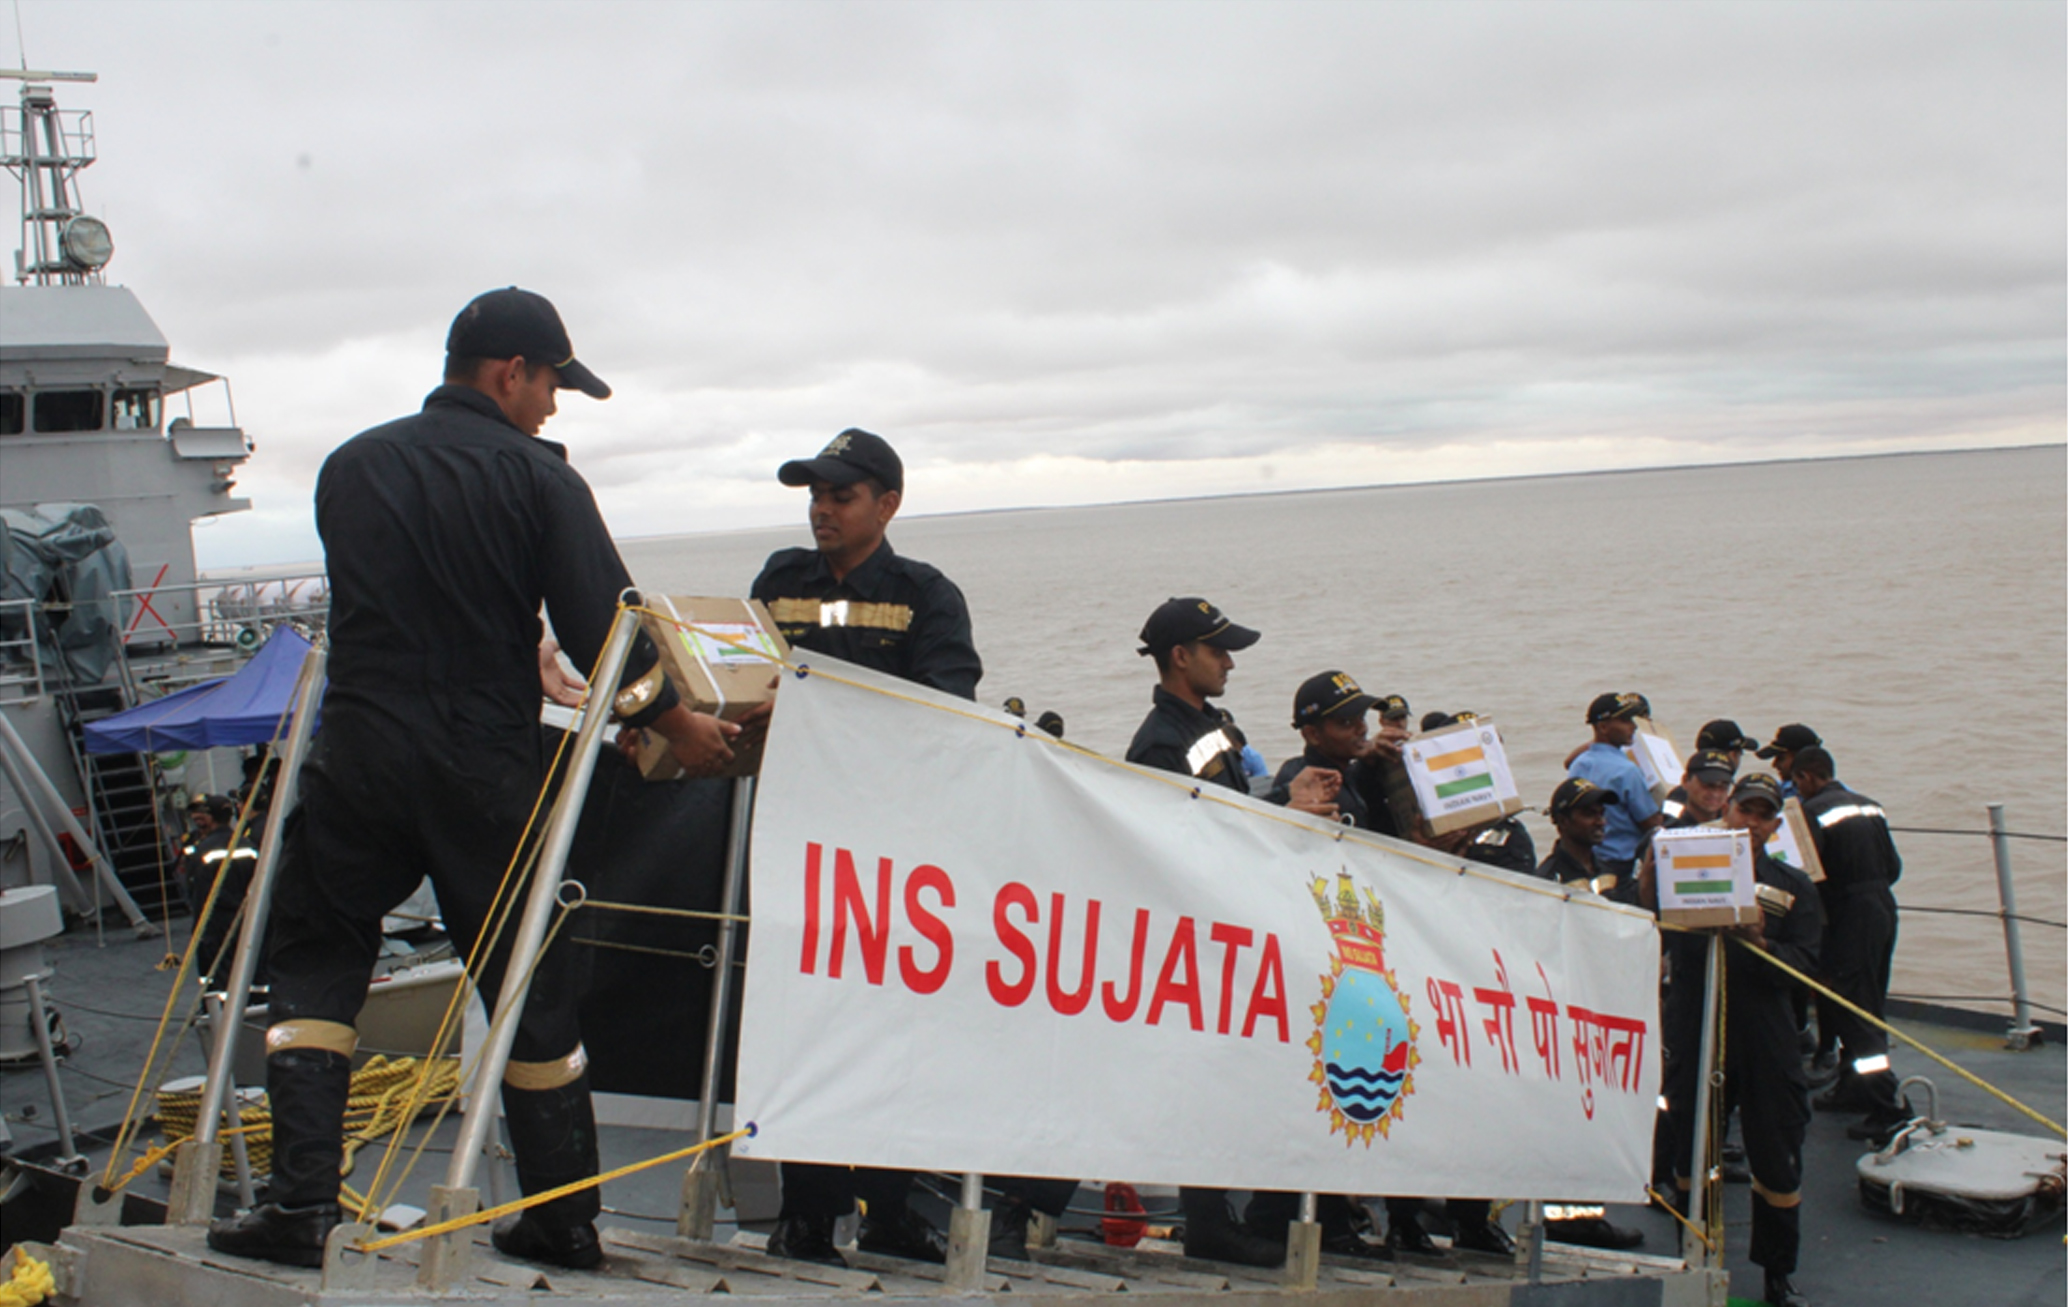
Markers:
point(816, 1190)
point(1773, 1110)
point(1859, 947)
point(400, 787)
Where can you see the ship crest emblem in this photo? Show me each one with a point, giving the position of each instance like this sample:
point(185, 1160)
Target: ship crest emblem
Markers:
point(1364, 1040)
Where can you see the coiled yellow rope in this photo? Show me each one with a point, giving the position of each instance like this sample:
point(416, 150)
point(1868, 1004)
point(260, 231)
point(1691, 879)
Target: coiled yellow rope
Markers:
point(30, 1283)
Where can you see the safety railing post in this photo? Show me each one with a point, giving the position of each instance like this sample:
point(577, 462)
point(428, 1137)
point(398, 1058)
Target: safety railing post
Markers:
point(1706, 1078)
point(196, 1185)
point(969, 1237)
point(1303, 1247)
point(444, 1254)
point(699, 1214)
point(2023, 1034)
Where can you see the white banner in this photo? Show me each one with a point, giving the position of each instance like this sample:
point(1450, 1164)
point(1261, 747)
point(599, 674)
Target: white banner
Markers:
point(977, 949)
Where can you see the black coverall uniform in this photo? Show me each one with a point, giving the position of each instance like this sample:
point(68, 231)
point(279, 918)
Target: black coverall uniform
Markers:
point(1762, 1067)
point(903, 617)
point(443, 532)
point(205, 862)
point(1860, 864)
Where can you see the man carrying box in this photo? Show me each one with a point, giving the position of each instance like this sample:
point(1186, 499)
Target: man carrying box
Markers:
point(1635, 814)
point(445, 531)
point(1763, 1075)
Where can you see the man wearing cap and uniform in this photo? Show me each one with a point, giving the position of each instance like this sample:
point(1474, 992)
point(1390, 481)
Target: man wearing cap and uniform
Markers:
point(1635, 814)
point(1861, 865)
point(445, 531)
point(1185, 732)
point(1762, 1070)
point(1579, 810)
point(1726, 741)
point(1789, 741)
point(1703, 792)
point(852, 595)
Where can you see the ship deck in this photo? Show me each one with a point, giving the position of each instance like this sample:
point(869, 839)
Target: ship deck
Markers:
point(1850, 1256)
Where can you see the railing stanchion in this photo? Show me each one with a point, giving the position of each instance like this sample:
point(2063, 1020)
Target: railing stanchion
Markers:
point(2023, 1034)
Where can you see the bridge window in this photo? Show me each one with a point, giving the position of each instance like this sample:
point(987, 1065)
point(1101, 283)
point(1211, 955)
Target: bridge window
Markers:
point(12, 411)
point(69, 410)
point(136, 410)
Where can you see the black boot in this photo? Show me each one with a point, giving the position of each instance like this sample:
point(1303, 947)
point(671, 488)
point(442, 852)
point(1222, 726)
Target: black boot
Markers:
point(553, 1134)
point(1780, 1293)
point(528, 1239)
point(1406, 1235)
point(805, 1239)
point(1211, 1233)
point(306, 1089)
point(901, 1232)
point(1009, 1220)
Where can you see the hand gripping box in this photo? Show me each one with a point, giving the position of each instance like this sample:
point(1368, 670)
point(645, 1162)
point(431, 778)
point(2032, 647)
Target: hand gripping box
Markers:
point(719, 653)
point(1705, 876)
point(1454, 778)
point(1656, 757)
point(1792, 846)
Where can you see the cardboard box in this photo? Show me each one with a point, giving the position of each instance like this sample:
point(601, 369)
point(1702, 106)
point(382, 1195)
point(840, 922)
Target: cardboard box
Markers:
point(1792, 846)
point(719, 663)
point(1705, 876)
point(1656, 757)
point(1453, 779)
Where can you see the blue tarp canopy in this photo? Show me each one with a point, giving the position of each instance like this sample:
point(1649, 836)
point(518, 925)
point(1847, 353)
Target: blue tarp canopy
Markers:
point(241, 709)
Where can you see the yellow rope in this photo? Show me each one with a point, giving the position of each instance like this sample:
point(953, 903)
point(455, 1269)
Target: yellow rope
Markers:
point(30, 1283)
point(1673, 1210)
point(1885, 1027)
point(1198, 789)
point(533, 1200)
point(653, 911)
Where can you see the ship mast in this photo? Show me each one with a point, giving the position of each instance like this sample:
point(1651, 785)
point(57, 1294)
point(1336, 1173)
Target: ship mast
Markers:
point(45, 148)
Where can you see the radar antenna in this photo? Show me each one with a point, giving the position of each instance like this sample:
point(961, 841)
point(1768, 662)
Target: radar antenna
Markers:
point(45, 147)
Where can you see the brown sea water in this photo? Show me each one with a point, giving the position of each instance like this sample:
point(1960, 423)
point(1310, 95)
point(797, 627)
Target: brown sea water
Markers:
point(1913, 609)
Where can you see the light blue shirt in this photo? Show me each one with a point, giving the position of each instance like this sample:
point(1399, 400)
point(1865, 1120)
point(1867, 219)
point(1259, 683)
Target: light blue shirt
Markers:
point(1611, 769)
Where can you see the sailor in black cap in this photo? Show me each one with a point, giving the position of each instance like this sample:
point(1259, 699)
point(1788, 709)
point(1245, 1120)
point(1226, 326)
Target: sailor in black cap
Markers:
point(1194, 646)
point(1579, 811)
point(445, 532)
point(1789, 741)
point(1861, 866)
point(1762, 1071)
point(852, 595)
point(1705, 786)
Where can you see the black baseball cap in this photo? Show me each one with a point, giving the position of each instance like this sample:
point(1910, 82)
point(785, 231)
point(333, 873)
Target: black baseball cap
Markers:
point(1436, 721)
point(1791, 738)
point(853, 455)
point(1050, 721)
point(1723, 733)
point(1326, 695)
point(1608, 707)
point(1758, 786)
point(1712, 765)
point(1184, 621)
point(1393, 707)
point(512, 323)
point(197, 803)
point(1578, 791)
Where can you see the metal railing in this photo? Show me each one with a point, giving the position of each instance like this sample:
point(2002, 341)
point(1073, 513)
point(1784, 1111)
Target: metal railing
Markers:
point(2023, 1032)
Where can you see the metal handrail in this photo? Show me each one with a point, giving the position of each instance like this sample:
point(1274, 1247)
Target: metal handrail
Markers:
point(1985, 834)
point(225, 609)
point(1998, 915)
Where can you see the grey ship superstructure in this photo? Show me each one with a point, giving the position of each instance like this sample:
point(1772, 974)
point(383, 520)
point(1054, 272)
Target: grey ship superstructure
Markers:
point(89, 447)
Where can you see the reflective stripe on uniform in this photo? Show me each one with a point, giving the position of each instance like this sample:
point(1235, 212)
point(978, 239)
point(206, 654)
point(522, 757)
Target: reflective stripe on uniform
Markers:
point(1572, 1211)
point(334, 1036)
point(1872, 1064)
point(1205, 750)
point(1829, 819)
point(547, 1075)
point(1774, 899)
point(217, 855)
point(1672, 808)
point(842, 612)
point(1791, 1199)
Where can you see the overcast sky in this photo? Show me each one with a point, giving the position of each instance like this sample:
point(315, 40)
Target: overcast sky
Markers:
point(1066, 253)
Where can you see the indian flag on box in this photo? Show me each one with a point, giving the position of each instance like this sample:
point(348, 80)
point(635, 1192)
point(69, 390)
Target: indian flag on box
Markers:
point(1460, 776)
point(1705, 876)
